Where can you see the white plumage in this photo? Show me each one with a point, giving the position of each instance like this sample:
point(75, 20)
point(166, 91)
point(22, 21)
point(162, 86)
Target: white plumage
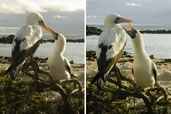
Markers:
point(110, 47)
point(26, 42)
point(115, 37)
point(144, 69)
point(59, 66)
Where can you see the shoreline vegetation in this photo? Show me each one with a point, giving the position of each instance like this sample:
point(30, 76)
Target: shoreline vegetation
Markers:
point(91, 30)
point(8, 39)
point(120, 95)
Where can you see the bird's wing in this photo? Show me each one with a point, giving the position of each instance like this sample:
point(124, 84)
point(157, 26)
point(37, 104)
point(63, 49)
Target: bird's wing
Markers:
point(154, 69)
point(110, 48)
point(67, 65)
point(132, 71)
point(25, 43)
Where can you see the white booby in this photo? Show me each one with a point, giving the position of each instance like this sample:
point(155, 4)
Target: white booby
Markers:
point(144, 69)
point(59, 66)
point(111, 45)
point(26, 41)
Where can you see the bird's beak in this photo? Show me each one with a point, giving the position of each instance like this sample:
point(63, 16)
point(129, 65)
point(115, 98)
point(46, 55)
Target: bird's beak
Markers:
point(55, 35)
point(124, 20)
point(131, 32)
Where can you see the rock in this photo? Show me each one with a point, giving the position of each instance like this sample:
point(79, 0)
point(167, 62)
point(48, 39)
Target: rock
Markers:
point(7, 39)
point(10, 38)
point(92, 30)
point(126, 71)
point(151, 56)
point(167, 60)
point(91, 55)
point(127, 54)
point(165, 76)
point(156, 31)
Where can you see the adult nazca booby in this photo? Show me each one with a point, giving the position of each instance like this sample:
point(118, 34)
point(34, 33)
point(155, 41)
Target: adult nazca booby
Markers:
point(26, 42)
point(144, 69)
point(111, 45)
point(59, 66)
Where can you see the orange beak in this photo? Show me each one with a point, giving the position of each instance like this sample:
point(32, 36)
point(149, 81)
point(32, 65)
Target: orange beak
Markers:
point(121, 20)
point(49, 29)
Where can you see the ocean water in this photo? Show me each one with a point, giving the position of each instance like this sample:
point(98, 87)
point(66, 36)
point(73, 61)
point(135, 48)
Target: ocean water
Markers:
point(140, 27)
point(155, 44)
point(74, 51)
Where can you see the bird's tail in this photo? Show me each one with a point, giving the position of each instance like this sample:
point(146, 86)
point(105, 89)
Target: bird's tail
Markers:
point(8, 70)
point(100, 78)
point(14, 71)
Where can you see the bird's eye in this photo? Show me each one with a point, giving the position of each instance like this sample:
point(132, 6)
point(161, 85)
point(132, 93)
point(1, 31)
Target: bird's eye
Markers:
point(41, 22)
point(117, 20)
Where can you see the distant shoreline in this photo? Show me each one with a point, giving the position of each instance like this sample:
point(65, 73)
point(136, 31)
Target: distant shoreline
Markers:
point(91, 30)
point(8, 40)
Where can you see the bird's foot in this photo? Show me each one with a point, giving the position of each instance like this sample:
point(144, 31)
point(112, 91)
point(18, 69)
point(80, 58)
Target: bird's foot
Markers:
point(139, 89)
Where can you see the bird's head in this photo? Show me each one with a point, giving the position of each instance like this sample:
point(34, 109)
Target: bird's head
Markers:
point(113, 19)
point(132, 32)
point(36, 19)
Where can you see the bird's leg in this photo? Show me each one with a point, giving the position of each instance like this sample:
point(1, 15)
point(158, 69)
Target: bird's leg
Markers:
point(117, 74)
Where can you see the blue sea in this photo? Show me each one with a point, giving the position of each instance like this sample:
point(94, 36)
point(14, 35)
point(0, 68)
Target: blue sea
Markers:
point(158, 45)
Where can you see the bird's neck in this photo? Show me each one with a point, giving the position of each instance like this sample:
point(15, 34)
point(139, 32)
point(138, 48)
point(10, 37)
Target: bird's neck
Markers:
point(138, 47)
point(110, 26)
point(60, 45)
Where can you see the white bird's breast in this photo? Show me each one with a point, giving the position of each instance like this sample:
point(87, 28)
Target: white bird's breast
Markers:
point(143, 73)
point(115, 37)
point(57, 65)
point(29, 34)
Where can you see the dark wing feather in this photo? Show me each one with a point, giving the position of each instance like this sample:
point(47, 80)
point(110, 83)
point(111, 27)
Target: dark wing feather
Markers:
point(154, 70)
point(105, 66)
point(18, 55)
point(68, 68)
point(132, 71)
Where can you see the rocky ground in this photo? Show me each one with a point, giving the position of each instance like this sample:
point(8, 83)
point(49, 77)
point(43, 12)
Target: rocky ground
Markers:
point(132, 106)
point(37, 94)
point(125, 66)
point(77, 69)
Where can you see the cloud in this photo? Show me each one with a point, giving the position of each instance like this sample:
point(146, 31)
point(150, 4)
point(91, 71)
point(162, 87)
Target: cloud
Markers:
point(133, 4)
point(19, 7)
point(24, 6)
point(62, 5)
point(58, 7)
point(65, 16)
point(91, 17)
point(60, 17)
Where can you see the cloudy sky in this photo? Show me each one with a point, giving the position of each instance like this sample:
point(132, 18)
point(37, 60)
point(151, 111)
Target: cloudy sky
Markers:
point(141, 11)
point(66, 16)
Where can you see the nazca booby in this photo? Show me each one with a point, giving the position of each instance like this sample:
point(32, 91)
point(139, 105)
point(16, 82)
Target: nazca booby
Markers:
point(59, 66)
point(144, 69)
point(111, 45)
point(26, 42)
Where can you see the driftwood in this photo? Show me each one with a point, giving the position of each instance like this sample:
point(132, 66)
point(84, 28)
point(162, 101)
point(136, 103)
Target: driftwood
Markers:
point(18, 93)
point(121, 91)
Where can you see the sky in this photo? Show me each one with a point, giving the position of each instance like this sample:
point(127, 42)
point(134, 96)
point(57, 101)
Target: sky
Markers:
point(147, 12)
point(66, 16)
